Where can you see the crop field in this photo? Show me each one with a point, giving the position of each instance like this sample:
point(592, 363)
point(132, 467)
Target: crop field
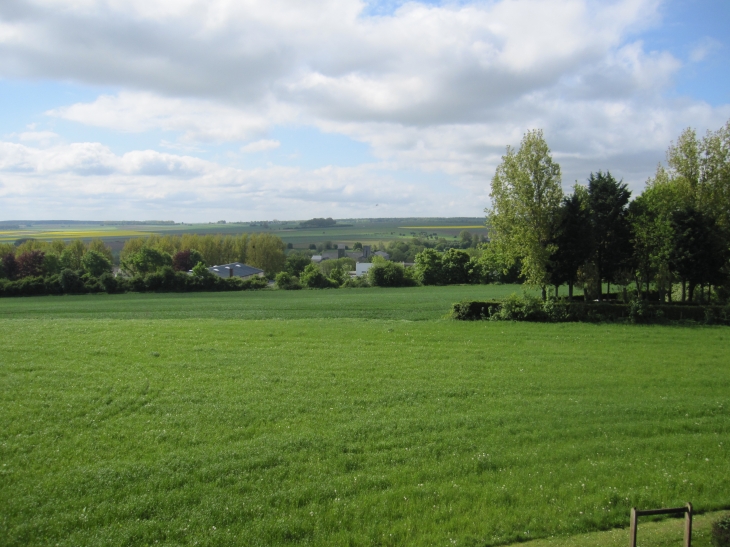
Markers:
point(346, 417)
point(346, 231)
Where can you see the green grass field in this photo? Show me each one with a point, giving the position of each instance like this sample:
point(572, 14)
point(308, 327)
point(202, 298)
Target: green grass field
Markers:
point(348, 417)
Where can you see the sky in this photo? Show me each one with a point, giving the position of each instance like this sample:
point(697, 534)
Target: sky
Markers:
point(243, 110)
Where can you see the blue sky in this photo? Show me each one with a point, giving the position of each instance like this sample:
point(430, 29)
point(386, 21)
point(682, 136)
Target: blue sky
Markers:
point(196, 111)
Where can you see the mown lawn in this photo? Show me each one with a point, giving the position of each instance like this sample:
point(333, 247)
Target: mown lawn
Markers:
point(347, 431)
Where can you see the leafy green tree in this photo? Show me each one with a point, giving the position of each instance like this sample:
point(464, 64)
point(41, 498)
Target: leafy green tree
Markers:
point(388, 274)
point(95, 263)
point(296, 262)
point(266, 251)
point(102, 248)
point(608, 201)
point(572, 241)
point(200, 270)
point(455, 265)
point(652, 235)
point(313, 278)
point(526, 195)
point(429, 268)
point(51, 263)
point(466, 239)
point(287, 281)
point(72, 254)
point(146, 260)
point(338, 276)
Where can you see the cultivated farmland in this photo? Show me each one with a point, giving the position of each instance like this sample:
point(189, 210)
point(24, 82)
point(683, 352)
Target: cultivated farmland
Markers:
point(349, 417)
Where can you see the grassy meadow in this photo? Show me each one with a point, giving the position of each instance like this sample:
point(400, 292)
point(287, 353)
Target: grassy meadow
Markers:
point(348, 417)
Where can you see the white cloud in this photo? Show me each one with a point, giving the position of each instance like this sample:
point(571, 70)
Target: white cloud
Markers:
point(261, 146)
point(440, 89)
point(143, 182)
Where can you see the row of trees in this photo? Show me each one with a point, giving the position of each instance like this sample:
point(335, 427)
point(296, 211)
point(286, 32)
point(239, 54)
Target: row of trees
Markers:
point(676, 231)
point(34, 258)
point(182, 252)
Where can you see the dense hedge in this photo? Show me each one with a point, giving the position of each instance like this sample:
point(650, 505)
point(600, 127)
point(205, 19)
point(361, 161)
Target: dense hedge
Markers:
point(165, 280)
point(526, 308)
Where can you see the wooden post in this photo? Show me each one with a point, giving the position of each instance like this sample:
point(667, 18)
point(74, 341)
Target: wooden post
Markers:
point(632, 531)
point(688, 526)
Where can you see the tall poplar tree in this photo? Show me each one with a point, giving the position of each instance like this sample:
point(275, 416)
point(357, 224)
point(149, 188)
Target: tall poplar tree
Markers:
point(526, 196)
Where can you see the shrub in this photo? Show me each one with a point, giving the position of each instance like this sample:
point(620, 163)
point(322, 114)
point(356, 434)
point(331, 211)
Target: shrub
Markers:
point(356, 282)
point(521, 308)
point(389, 274)
point(313, 278)
point(109, 282)
point(639, 311)
point(287, 282)
point(71, 281)
point(721, 532)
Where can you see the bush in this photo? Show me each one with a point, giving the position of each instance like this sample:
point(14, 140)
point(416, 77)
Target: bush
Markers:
point(110, 283)
point(287, 282)
point(313, 278)
point(721, 532)
point(71, 281)
point(389, 274)
point(356, 283)
point(521, 308)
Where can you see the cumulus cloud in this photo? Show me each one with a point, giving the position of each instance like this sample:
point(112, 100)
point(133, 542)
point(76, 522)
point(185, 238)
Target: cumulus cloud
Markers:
point(439, 89)
point(147, 180)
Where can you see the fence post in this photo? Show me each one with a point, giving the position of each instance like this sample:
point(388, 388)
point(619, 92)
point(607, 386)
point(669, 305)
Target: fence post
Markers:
point(632, 531)
point(688, 526)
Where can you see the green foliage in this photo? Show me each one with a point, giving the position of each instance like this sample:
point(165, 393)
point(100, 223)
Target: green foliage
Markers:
point(201, 271)
point(51, 263)
point(70, 281)
point(313, 278)
point(72, 254)
point(389, 274)
point(95, 263)
point(338, 276)
point(608, 201)
point(266, 252)
point(287, 281)
point(146, 260)
point(526, 194)
point(296, 262)
point(429, 267)
point(721, 532)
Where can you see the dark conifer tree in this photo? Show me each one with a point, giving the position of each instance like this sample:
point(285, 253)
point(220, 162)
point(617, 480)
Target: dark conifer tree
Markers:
point(698, 251)
point(573, 242)
point(608, 203)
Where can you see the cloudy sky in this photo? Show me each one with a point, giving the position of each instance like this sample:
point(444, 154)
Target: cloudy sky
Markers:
point(202, 110)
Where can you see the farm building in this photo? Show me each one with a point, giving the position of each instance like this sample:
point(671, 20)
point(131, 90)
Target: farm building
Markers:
point(236, 269)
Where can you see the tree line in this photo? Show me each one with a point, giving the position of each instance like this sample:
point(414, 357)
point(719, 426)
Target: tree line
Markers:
point(674, 236)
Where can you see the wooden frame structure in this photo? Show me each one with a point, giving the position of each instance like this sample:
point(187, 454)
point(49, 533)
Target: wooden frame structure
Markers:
point(687, 510)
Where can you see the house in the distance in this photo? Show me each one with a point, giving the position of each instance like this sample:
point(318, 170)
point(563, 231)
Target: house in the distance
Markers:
point(236, 269)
